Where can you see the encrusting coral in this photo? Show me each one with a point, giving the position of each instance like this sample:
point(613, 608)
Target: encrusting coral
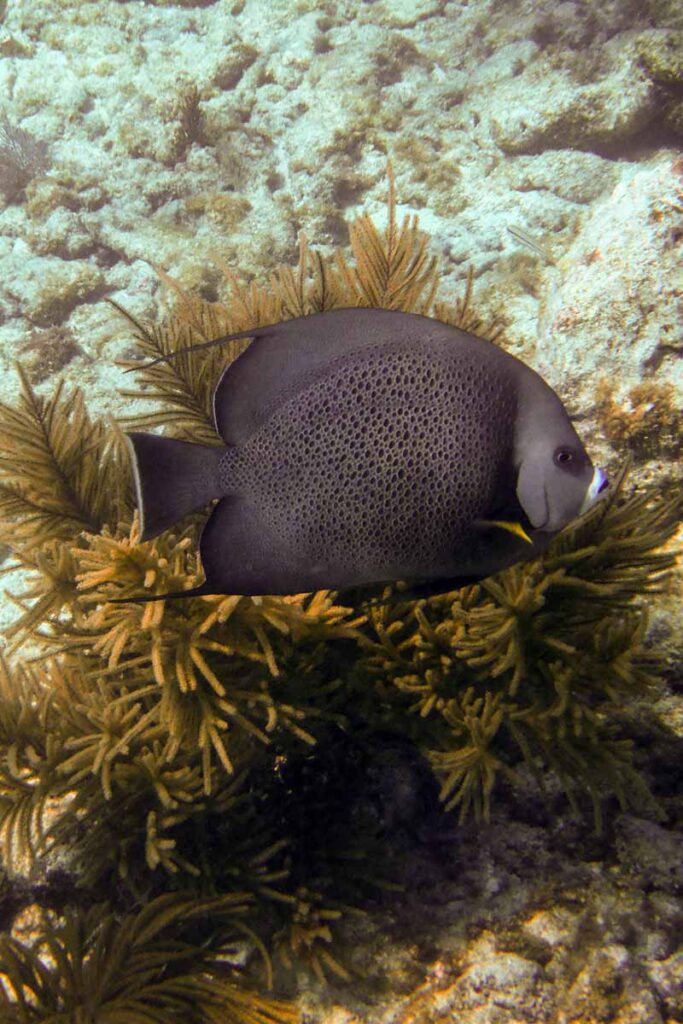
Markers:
point(143, 747)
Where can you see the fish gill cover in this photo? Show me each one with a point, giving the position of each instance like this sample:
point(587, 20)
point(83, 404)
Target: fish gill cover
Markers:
point(190, 759)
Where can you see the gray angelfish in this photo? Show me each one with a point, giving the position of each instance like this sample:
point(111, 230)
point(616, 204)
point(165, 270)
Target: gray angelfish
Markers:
point(365, 446)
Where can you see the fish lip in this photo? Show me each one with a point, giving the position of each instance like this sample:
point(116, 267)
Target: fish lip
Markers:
point(599, 483)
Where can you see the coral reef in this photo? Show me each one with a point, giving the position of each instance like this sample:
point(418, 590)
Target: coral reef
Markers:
point(649, 423)
point(188, 757)
point(233, 137)
point(166, 131)
point(660, 57)
point(47, 351)
point(614, 299)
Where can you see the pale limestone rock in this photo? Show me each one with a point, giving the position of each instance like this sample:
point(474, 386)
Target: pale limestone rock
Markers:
point(667, 976)
point(50, 288)
point(555, 926)
point(612, 307)
point(496, 979)
point(574, 176)
point(551, 112)
point(610, 987)
point(406, 13)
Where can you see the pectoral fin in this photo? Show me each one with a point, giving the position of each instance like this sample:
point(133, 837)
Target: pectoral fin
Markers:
point(511, 527)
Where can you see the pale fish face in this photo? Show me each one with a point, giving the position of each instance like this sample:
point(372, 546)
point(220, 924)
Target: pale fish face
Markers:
point(554, 482)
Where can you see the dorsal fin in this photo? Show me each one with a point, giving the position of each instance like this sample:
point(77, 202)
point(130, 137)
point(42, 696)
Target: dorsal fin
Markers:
point(284, 357)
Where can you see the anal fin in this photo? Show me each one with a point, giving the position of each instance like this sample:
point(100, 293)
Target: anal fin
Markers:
point(241, 554)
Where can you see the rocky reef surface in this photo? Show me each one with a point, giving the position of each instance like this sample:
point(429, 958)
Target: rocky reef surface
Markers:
point(138, 135)
point(531, 918)
point(171, 133)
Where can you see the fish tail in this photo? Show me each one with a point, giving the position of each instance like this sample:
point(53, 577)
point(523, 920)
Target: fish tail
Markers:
point(172, 479)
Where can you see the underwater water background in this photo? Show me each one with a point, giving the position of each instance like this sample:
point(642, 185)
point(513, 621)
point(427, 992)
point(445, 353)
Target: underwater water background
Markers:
point(541, 146)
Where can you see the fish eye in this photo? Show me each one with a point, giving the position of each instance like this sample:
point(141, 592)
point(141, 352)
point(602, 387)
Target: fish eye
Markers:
point(564, 456)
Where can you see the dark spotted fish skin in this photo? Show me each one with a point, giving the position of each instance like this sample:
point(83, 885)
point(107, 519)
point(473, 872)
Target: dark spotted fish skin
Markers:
point(380, 466)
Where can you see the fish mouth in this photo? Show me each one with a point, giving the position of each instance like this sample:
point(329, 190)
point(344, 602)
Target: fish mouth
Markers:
point(598, 484)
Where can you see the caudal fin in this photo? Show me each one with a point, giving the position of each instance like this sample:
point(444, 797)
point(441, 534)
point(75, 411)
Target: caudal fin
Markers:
point(172, 478)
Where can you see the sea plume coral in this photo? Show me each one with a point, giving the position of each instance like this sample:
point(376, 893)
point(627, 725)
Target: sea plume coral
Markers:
point(22, 158)
point(536, 657)
point(148, 966)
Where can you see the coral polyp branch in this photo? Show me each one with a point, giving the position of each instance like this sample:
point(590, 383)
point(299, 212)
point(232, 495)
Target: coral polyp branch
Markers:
point(150, 966)
point(60, 471)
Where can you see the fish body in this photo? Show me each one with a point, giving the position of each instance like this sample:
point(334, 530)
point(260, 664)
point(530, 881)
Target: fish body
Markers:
point(365, 446)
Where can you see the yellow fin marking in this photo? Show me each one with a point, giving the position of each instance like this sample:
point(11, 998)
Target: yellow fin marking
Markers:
point(515, 528)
